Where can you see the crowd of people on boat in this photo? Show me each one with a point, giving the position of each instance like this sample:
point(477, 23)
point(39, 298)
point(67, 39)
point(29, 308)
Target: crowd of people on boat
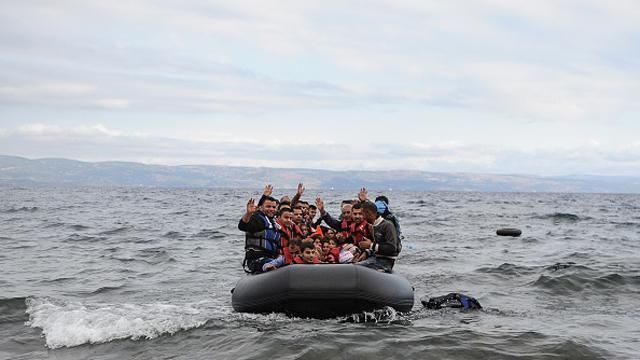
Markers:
point(293, 231)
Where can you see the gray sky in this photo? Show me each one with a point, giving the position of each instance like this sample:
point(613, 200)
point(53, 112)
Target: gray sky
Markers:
point(495, 86)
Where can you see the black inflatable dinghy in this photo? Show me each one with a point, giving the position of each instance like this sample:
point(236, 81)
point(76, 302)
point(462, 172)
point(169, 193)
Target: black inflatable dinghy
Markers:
point(322, 291)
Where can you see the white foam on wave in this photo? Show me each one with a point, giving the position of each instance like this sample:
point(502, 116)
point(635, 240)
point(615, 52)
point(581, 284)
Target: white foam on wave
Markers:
point(73, 324)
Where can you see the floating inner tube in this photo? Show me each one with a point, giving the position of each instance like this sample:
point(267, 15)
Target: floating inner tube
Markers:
point(322, 291)
point(509, 232)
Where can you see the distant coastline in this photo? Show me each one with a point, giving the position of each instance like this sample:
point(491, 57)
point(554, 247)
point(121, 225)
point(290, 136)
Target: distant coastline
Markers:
point(20, 171)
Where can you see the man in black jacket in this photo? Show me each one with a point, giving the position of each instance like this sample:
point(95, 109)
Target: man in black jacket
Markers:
point(263, 239)
point(384, 245)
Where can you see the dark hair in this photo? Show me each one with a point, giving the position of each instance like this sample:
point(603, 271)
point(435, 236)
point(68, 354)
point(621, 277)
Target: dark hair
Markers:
point(306, 245)
point(313, 207)
point(283, 210)
point(356, 206)
point(383, 198)
point(295, 241)
point(303, 202)
point(267, 198)
point(368, 205)
point(283, 203)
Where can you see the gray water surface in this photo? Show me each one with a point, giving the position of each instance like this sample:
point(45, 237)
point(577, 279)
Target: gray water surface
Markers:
point(146, 273)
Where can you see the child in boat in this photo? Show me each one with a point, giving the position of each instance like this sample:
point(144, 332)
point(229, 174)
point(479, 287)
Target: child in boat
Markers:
point(304, 228)
point(294, 247)
point(330, 251)
point(294, 252)
point(307, 255)
point(329, 233)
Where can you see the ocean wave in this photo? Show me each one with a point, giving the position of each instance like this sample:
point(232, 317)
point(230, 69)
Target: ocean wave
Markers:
point(421, 202)
point(561, 217)
point(123, 259)
point(155, 255)
point(174, 235)
point(509, 269)
point(79, 227)
point(152, 256)
point(577, 282)
point(73, 324)
point(83, 238)
point(144, 241)
point(105, 289)
point(22, 209)
point(54, 225)
point(626, 224)
point(115, 231)
point(386, 315)
point(570, 264)
point(22, 245)
point(12, 310)
point(57, 280)
point(210, 233)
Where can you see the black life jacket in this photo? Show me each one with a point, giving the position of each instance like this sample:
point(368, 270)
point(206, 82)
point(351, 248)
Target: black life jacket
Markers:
point(268, 240)
point(452, 300)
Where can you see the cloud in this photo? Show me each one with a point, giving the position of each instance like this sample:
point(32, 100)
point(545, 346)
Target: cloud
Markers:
point(529, 91)
point(54, 132)
point(99, 143)
point(46, 90)
point(431, 85)
point(535, 61)
point(112, 103)
point(39, 129)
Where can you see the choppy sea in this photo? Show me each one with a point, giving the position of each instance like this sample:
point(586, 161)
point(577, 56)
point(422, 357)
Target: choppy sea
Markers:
point(146, 273)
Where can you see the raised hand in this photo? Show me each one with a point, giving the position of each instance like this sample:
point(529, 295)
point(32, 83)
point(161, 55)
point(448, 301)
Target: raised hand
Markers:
point(300, 189)
point(251, 209)
point(251, 206)
point(268, 190)
point(320, 205)
point(362, 195)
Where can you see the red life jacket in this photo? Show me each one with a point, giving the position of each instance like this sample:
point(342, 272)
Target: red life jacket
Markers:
point(335, 253)
point(359, 231)
point(345, 231)
point(344, 225)
point(296, 232)
point(284, 238)
point(285, 233)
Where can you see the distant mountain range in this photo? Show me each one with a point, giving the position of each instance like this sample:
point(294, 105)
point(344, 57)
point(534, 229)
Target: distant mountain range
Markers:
point(18, 171)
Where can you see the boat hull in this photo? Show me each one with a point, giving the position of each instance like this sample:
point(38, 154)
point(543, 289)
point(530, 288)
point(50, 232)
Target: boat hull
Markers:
point(322, 291)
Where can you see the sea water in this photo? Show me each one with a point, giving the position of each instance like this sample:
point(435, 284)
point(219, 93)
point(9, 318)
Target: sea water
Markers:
point(146, 273)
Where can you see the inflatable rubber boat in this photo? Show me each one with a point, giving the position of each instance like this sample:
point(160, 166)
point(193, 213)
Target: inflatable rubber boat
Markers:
point(321, 291)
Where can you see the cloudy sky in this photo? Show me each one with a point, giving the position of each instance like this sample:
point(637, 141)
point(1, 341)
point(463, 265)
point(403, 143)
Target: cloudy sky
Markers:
point(547, 87)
